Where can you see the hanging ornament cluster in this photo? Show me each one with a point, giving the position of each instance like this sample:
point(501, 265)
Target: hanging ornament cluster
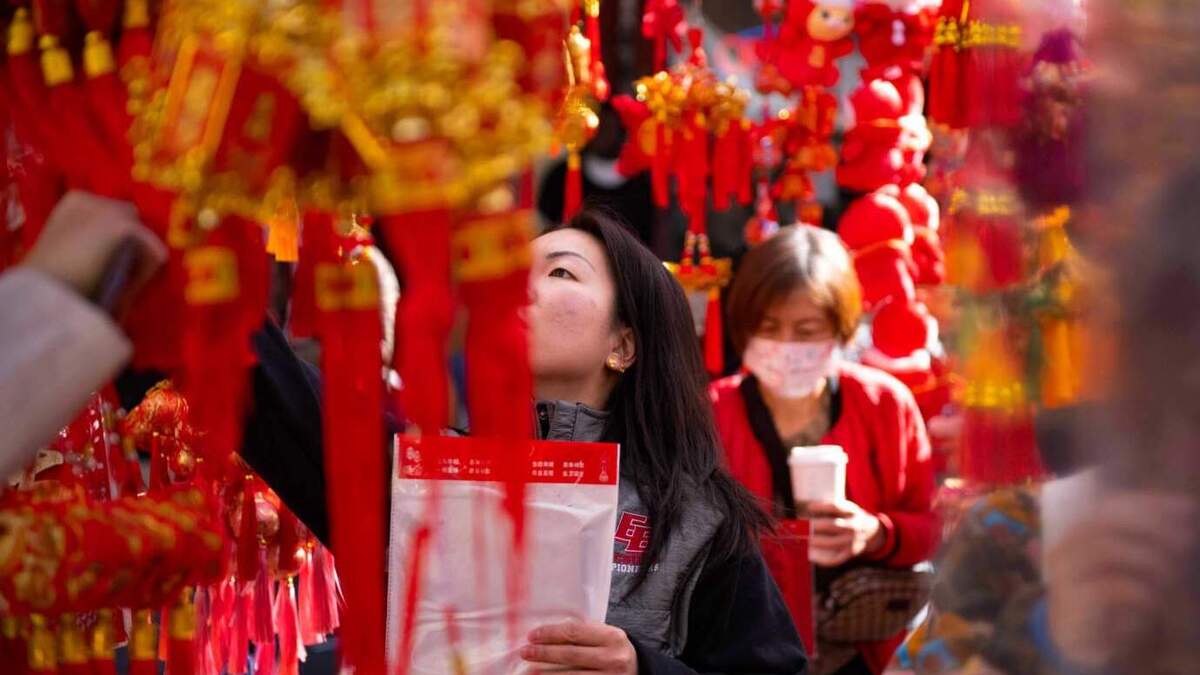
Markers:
point(976, 64)
point(1008, 174)
point(248, 130)
point(803, 137)
point(576, 122)
point(892, 228)
point(687, 125)
point(222, 564)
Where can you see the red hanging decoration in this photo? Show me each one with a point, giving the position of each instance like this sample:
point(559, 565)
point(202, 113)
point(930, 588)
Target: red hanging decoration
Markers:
point(573, 194)
point(577, 122)
point(663, 22)
point(714, 335)
point(894, 35)
point(812, 37)
point(877, 231)
point(291, 648)
point(346, 297)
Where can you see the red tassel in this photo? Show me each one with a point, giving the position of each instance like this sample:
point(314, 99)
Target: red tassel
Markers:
point(291, 651)
point(724, 164)
point(239, 635)
point(319, 598)
point(307, 609)
point(422, 240)
point(224, 609)
point(84, 137)
point(32, 103)
point(714, 338)
point(333, 599)
point(247, 543)
point(106, 95)
point(158, 464)
point(353, 402)
point(600, 87)
point(264, 657)
point(660, 166)
point(499, 382)
point(264, 608)
point(289, 542)
point(205, 631)
point(573, 191)
point(164, 636)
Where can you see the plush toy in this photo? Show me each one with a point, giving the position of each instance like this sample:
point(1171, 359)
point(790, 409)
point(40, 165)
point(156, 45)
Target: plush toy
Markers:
point(925, 215)
point(877, 231)
point(915, 141)
point(927, 376)
point(872, 155)
point(895, 34)
point(811, 39)
point(900, 328)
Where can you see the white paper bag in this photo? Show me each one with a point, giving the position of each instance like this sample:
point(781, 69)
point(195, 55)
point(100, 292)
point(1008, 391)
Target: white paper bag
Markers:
point(462, 612)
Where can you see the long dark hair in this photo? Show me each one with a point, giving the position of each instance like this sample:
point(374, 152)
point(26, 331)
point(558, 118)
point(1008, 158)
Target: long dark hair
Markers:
point(660, 412)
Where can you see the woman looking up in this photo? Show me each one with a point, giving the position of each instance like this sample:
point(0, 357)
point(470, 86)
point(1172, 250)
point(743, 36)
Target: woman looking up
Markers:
point(614, 359)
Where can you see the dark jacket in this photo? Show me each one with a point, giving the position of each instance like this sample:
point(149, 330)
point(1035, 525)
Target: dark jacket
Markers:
point(719, 616)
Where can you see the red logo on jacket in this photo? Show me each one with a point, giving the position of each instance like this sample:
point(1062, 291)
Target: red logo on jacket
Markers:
point(633, 530)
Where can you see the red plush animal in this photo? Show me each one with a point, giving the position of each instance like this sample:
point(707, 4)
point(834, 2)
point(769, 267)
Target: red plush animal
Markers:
point(877, 231)
point(901, 328)
point(927, 253)
point(894, 34)
point(872, 155)
point(813, 36)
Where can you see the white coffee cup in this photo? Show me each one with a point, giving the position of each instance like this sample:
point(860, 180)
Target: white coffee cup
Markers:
point(818, 474)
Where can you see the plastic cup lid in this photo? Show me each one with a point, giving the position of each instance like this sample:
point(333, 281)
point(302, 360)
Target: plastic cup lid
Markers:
point(812, 454)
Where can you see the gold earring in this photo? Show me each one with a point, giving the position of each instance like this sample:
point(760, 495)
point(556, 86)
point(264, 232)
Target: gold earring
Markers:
point(614, 363)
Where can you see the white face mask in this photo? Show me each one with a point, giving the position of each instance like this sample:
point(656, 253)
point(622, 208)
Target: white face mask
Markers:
point(791, 369)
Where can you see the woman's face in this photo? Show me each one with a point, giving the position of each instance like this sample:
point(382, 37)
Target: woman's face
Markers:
point(796, 318)
point(572, 325)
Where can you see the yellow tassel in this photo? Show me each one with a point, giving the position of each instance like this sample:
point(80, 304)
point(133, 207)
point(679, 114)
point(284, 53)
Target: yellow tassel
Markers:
point(20, 33)
point(43, 650)
point(283, 240)
point(143, 643)
point(72, 649)
point(56, 63)
point(97, 55)
point(137, 14)
point(103, 637)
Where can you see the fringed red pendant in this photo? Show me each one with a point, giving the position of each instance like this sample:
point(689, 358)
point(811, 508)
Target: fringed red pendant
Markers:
point(348, 326)
point(573, 189)
point(714, 337)
point(287, 622)
point(491, 261)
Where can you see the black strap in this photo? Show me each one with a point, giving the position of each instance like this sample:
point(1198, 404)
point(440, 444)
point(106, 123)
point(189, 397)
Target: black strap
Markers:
point(764, 431)
point(763, 428)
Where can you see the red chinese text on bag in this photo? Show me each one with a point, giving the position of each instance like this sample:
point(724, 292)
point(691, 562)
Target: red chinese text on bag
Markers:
point(462, 621)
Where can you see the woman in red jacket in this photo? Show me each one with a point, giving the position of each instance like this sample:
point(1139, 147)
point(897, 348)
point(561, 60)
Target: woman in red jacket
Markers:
point(794, 305)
